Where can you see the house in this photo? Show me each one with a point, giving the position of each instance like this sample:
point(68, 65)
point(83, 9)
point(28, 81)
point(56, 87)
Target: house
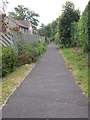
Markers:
point(22, 25)
point(18, 25)
point(25, 26)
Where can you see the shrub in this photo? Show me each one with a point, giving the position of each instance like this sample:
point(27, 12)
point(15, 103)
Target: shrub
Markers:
point(8, 60)
point(28, 53)
point(41, 47)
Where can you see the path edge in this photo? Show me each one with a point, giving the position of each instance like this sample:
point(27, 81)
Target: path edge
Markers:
point(15, 88)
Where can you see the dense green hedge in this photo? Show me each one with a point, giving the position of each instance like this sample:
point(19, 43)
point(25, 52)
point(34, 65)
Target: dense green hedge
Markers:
point(8, 60)
point(79, 30)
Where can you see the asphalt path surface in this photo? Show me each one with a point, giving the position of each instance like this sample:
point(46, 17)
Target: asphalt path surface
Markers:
point(49, 91)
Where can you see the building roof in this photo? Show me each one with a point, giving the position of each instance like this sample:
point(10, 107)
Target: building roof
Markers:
point(24, 23)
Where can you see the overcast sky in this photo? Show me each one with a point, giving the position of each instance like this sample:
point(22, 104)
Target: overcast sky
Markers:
point(48, 10)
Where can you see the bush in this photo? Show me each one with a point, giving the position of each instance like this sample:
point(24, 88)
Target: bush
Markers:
point(28, 53)
point(8, 60)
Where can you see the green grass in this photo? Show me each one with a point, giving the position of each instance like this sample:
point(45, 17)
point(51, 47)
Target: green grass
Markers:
point(14, 79)
point(77, 63)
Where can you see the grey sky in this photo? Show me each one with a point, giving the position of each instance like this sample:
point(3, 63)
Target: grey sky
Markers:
point(49, 10)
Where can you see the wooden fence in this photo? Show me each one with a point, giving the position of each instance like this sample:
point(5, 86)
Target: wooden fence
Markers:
point(5, 39)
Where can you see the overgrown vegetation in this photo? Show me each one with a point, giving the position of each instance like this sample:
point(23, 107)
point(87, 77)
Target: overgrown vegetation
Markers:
point(27, 53)
point(16, 66)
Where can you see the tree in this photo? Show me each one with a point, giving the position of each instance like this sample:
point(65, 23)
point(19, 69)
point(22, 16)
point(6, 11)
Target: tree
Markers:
point(59, 27)
point(68, 16)
point(45, 30)
point(41, 30)
point(48, 31)
point(53, 28)
point(23, 13)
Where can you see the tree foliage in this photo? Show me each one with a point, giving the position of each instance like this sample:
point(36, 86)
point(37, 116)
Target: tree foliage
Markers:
point(68, 16)
point(58, 27)
point(49, 30)
point(41, 30)
point(54, 28)
point(45, 30)
point(80, 30)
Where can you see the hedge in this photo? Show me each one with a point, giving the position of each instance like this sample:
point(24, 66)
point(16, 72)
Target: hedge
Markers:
point(8, 60)
point(79, 30)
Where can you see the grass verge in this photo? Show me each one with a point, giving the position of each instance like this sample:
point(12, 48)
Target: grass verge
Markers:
point(77, 63)
point(14, 79)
